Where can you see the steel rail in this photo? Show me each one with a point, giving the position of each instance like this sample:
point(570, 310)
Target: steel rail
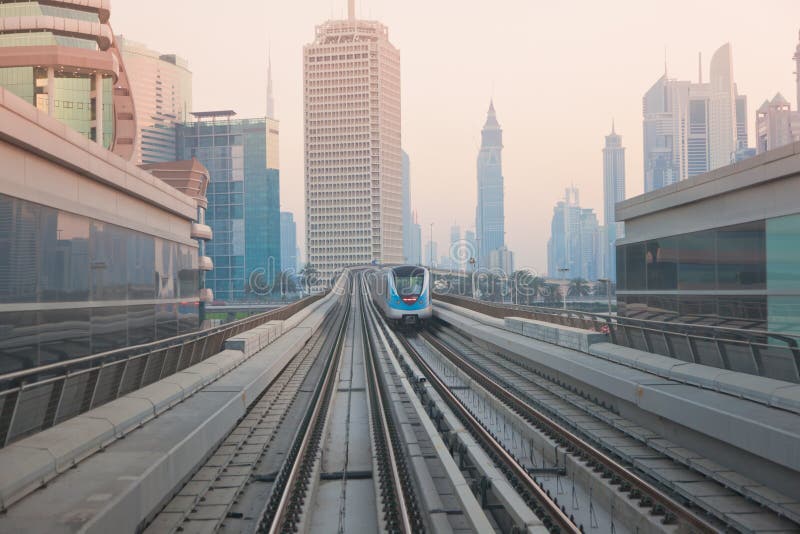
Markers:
point(309, 435)
point(380, 411)
point(548, 507)
point(573, 441)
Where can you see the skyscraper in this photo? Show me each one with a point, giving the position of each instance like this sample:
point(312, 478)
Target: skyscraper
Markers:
point(613, 192)
point(288, 242)
point(432, 254)
point(692, 128)
point(415, 248)
point(774, 124)
point(574, 240)
point(408, 229)
point(796, 59)
point(353, 159)
point(161, 85)
point(722, 123)
point(490, 214)
point(63, 60)
point(243, 199)
point(471, 244)
point(455, 251)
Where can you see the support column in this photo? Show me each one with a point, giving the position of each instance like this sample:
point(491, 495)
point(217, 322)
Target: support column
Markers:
point(98, 108)
point(51, 90)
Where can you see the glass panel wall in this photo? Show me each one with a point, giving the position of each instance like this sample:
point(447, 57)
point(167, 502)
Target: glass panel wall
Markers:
point(49, 257)
point(732, 258)
point(783, 273)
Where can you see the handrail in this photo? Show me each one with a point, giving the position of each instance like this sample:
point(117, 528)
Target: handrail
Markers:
point(669, 326)
point(154, 345)
point(674, 340)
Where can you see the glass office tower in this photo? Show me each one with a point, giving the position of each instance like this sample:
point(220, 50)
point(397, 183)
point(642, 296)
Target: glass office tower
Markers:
point(243, 201)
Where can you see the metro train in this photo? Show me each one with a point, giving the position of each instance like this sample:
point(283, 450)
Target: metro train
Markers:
point(402, 292)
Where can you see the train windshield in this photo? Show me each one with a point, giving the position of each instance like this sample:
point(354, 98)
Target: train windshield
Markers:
point(409, 280)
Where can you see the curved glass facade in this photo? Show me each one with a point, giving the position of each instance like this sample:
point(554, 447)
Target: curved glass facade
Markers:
point(71, 286)
point(70, 86)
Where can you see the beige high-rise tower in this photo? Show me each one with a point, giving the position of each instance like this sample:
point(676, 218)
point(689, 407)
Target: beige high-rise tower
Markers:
point(353, 161)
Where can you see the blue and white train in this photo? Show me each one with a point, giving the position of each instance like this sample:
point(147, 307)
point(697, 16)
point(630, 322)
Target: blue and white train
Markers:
point(402, 292)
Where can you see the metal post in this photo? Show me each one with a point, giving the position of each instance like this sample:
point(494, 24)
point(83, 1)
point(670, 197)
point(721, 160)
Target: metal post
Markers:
point(607, 281)
point(51, 91)
point(98, 102)
point(13, 416)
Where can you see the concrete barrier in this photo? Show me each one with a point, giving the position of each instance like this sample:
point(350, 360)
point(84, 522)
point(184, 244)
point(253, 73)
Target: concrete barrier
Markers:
point(35, 461)
point(753, 427)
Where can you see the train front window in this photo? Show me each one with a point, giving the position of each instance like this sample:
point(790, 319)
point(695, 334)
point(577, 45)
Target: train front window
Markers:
point(409, 281)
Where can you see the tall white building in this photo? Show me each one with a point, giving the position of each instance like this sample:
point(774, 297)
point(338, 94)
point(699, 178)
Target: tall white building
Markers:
point(161, 86)
point(490, 212)
point(692, 128)
point(353, 159)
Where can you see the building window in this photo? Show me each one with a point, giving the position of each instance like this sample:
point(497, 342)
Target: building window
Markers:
point(697, 268)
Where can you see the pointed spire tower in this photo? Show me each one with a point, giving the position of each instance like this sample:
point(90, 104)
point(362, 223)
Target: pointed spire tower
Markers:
point(490, 212)
point(796, 58)
point(613, 192)
point(270, 95)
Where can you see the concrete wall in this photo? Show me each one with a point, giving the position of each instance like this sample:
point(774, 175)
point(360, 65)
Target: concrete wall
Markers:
point(765, 186)
point(44, 161)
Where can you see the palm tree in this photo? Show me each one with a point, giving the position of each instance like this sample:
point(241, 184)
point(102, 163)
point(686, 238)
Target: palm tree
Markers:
point(578, 287)
point(309, 274)
point(552, 294)
point(528, 286)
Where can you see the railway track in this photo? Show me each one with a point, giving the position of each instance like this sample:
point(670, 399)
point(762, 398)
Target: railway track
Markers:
point(554, 518)
point(265, 476)
point(533, 398)
point(226, 492)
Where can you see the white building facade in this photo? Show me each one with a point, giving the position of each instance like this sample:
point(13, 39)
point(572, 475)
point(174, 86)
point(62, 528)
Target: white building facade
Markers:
point(161, 85)
point(353, 157)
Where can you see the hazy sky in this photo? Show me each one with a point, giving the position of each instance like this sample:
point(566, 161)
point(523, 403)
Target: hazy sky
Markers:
point(559, 73)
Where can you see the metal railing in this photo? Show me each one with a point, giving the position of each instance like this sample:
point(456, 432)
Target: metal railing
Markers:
point(34, 399)
point(768, 354)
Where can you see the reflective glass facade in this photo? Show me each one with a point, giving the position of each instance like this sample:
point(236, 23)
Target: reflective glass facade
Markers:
point(243, 205)
point(71, 286)
point(38, 29)
point(72, 102)
point(745, 275)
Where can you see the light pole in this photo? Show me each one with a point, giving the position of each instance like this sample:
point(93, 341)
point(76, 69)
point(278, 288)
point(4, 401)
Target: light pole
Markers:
point(472, 262)
point(564, 270)
point(608, 292)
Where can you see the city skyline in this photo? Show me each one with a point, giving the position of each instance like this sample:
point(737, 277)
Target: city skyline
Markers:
point(440, 132)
